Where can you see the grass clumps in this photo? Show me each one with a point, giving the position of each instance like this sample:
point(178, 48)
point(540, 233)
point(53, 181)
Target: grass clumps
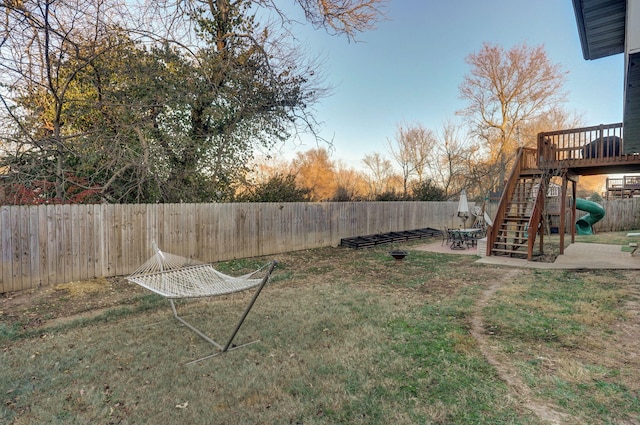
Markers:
point(347, 336)
point(564, 331)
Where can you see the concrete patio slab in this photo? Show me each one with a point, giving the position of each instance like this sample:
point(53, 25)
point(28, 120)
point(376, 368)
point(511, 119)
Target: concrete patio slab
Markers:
point(576, 256)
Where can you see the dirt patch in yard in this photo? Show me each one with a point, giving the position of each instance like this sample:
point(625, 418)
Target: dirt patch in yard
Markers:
point(546, 410)
point(618, 351)
point(52, 304)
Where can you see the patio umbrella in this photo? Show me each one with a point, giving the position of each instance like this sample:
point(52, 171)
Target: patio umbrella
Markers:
point(463, 207)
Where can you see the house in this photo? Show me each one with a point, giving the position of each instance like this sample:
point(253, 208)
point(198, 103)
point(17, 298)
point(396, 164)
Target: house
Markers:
point(611, 27)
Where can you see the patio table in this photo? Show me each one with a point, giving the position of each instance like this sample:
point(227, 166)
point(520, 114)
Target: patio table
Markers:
point(460, 237)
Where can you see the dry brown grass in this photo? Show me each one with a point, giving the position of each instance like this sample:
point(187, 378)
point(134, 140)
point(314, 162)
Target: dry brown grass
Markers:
point(348, 336)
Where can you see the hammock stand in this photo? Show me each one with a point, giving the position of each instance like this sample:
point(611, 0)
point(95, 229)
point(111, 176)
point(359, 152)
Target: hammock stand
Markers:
point(175, 277)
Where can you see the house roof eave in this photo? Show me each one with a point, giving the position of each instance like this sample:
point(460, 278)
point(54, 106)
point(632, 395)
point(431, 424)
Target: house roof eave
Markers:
point(601, 27)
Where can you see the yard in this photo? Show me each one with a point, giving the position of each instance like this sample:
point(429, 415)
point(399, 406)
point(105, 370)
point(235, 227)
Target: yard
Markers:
point(347, 336)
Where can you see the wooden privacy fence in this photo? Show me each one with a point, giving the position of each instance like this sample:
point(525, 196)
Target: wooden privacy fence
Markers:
point(49, 244)
point(620, 214)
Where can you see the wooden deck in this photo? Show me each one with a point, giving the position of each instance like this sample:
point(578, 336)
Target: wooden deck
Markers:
point(587, 151)
point(623, 187)
point(567, 153)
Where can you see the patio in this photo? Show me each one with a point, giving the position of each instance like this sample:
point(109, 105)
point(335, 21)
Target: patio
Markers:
point(576, 256)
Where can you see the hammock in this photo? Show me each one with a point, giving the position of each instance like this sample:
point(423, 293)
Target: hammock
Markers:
point(174, 277)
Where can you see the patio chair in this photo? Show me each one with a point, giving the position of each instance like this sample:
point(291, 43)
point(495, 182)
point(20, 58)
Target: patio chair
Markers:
point(446, 235)
point(457, 238)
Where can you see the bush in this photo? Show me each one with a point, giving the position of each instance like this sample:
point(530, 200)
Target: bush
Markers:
point(428, 191)
point(279, 188)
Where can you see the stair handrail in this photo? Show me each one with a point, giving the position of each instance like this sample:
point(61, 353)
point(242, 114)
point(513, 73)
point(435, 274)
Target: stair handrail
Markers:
point(536, 216)
point(507, 194)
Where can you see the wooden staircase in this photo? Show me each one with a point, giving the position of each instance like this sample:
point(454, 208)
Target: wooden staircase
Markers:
point(518, 219)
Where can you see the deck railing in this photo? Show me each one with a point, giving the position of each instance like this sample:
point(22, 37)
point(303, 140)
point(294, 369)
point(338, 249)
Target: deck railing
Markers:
point(625, 182)
point(529, 160)
point(581, 146)
point(623, 187)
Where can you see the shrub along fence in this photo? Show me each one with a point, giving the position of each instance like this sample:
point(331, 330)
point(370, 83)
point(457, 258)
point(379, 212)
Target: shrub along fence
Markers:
point(49, 244)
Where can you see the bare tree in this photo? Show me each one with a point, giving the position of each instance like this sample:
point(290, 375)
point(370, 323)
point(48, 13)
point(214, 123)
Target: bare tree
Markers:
point(349, 182)
point(45, 47)
point(456, 155)
point(555, 118)
point(348, 17)
point(412, 151)
point(505, 89)
point(337, 17)
point(379, 174)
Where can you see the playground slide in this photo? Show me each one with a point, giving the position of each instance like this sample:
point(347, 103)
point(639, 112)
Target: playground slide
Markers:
point(595, 214)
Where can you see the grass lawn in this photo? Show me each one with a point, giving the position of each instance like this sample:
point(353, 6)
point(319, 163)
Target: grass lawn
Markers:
point(347, 336)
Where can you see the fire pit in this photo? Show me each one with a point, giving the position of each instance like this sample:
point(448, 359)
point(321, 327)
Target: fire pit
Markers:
point(398, 255)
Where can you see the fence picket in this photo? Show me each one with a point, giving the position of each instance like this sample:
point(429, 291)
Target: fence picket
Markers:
point(34, 246)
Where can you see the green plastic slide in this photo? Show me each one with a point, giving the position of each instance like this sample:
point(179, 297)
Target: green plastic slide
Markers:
point(595, 213)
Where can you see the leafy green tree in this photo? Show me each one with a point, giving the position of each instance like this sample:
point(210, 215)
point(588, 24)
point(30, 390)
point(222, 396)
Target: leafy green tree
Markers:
point(155, 118)
point(595, 197)
point(49, 50)
point(112, 126)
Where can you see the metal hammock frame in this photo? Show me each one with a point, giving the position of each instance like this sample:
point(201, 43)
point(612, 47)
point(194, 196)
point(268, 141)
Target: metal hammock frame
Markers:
point(176, 277)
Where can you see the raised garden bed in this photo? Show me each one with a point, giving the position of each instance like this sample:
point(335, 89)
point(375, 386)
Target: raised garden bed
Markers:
point(382, 238)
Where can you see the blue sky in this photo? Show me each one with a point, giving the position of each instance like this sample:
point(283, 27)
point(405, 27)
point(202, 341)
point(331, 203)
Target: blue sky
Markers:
point(408, 69)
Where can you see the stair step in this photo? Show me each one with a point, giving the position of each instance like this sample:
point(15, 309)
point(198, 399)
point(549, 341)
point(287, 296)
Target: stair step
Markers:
point(511, 235)
point(511, 239)
point(508, 251)
point(518, 245)
point(507, 237)
point(504, 250)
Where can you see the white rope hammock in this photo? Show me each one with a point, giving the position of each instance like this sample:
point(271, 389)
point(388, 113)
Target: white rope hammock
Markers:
point(174, 277)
